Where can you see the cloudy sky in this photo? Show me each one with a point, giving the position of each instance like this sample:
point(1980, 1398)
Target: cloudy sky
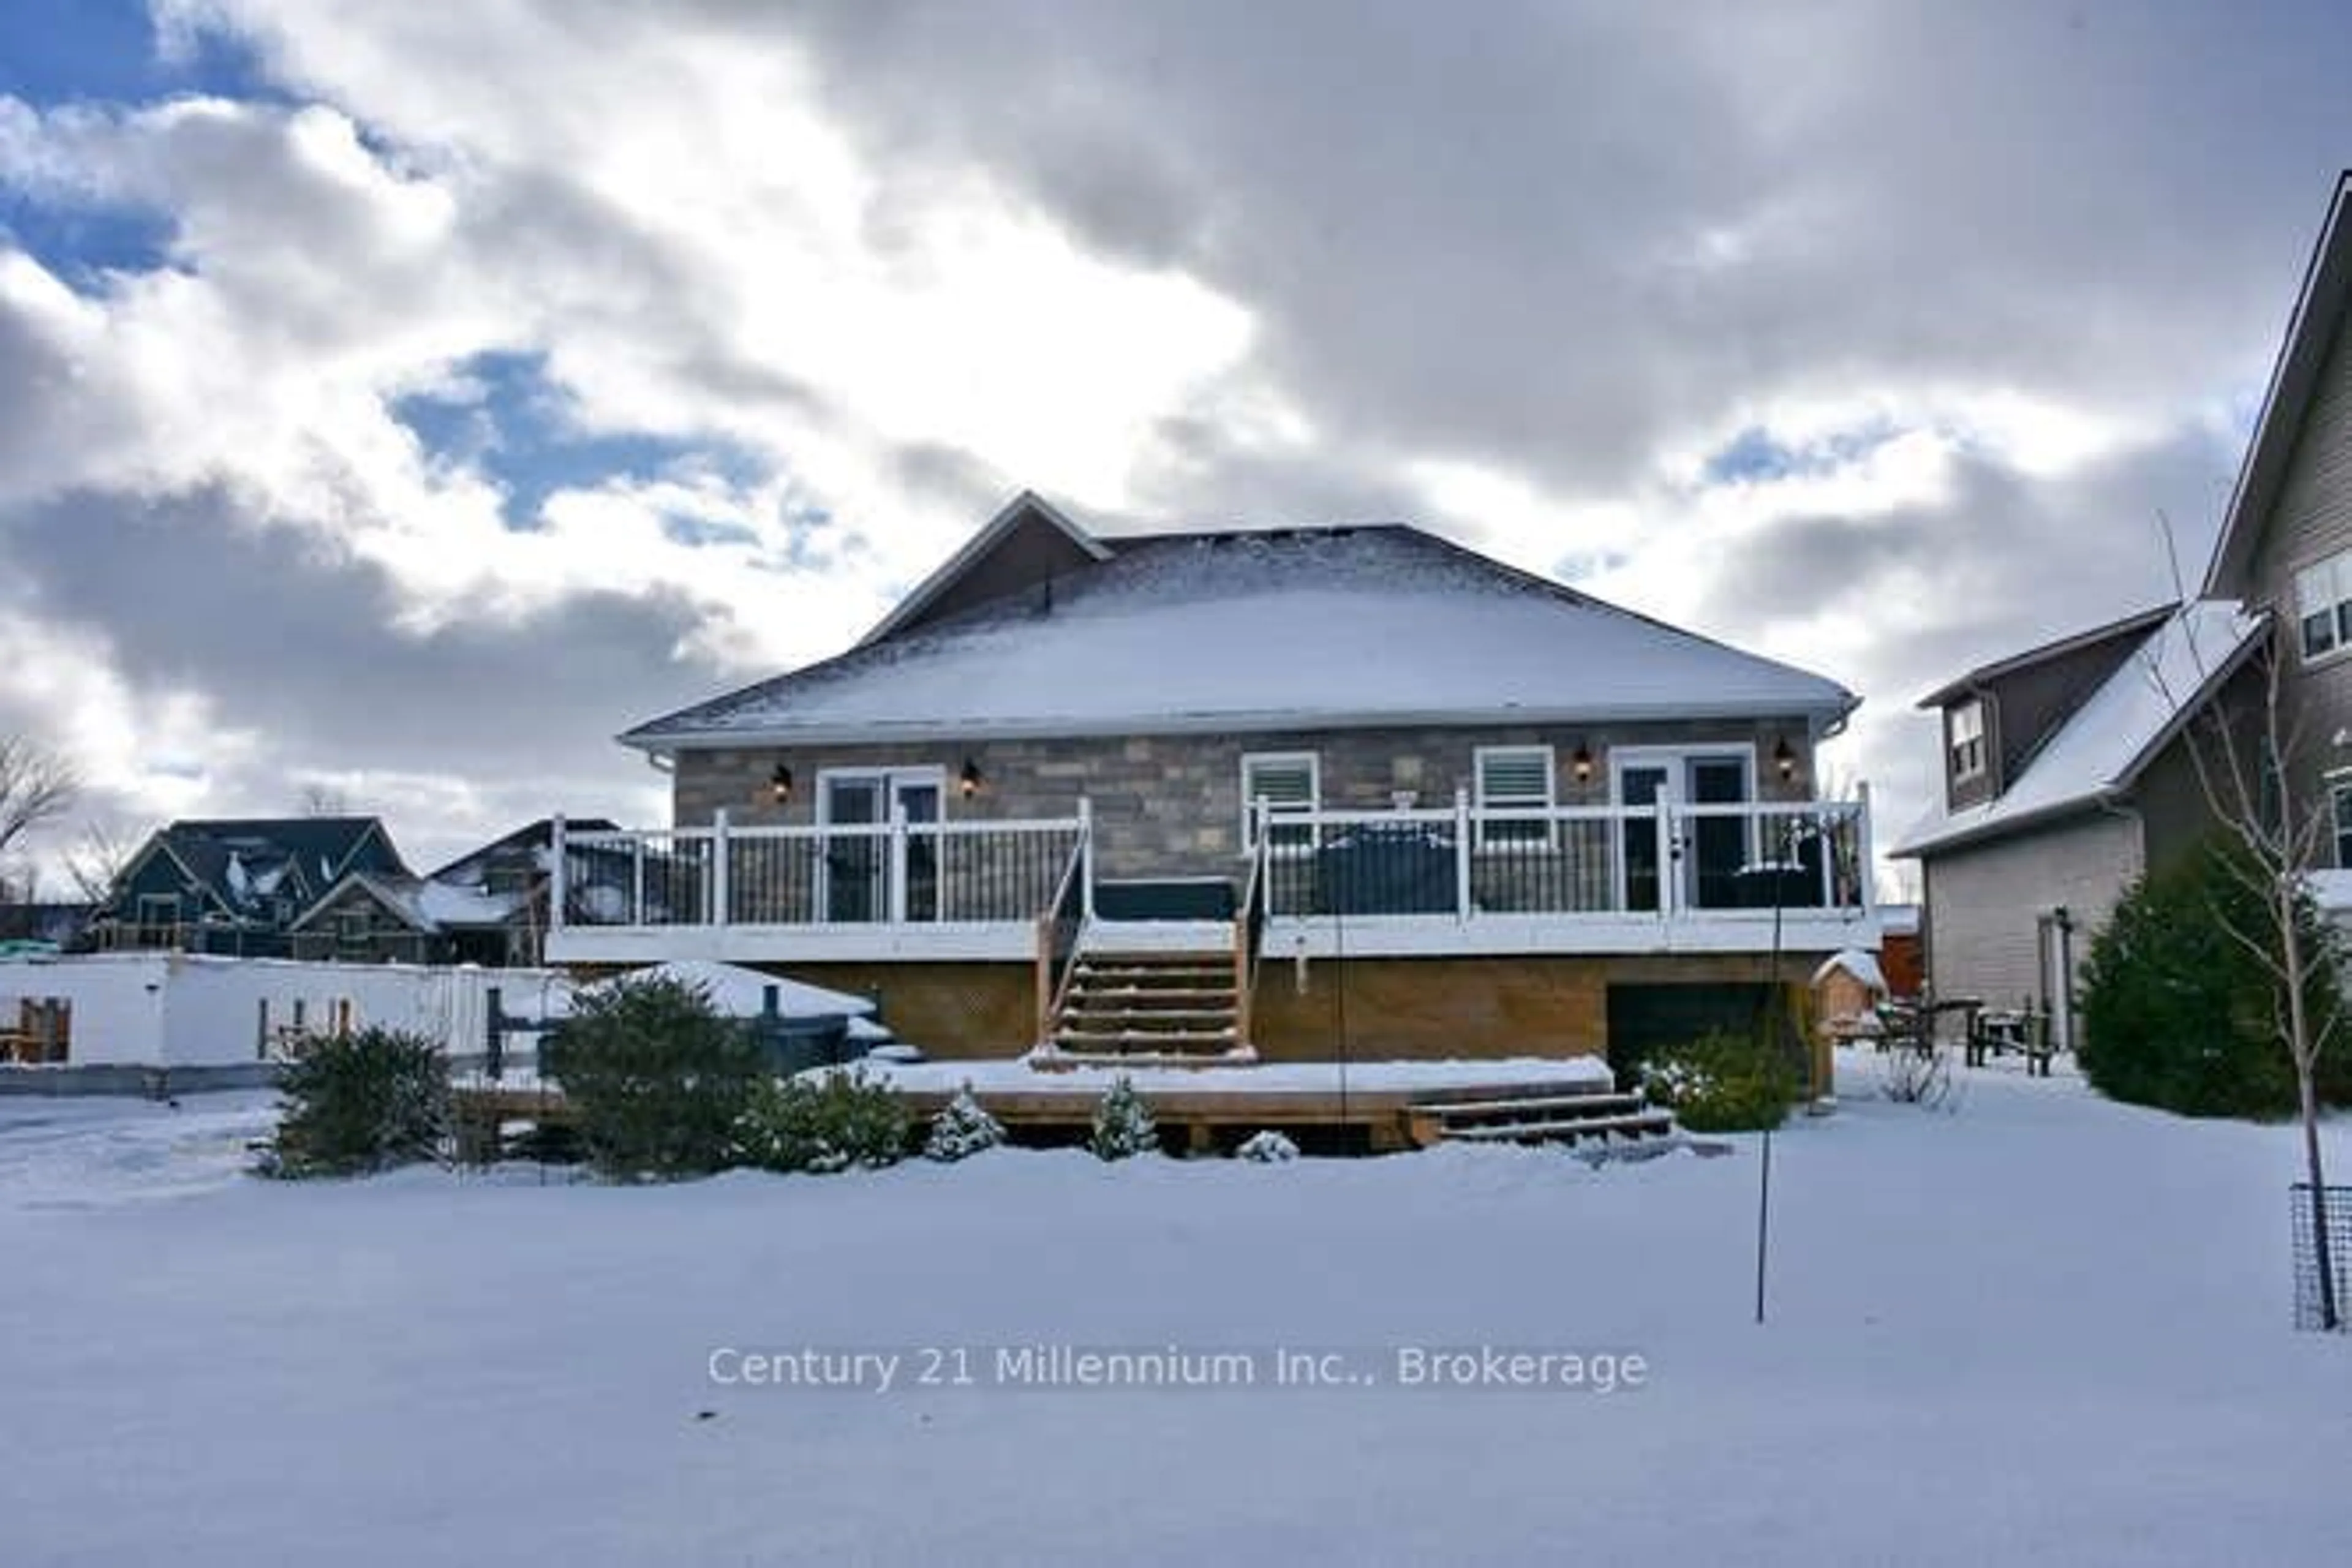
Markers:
point(402, 399)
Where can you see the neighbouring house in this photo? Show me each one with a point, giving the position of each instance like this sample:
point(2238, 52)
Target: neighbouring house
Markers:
point(1298, 793)
point(487, 907)
point(2065, 772)
point(237, 886)
point(1900, 958)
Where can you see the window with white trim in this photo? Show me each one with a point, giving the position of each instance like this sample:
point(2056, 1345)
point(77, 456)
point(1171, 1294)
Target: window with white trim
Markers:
point(1967, 743)
point(1514, 778)
point(1289, 783)
point(2322, 605)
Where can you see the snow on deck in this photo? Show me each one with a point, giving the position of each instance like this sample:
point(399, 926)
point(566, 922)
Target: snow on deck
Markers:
point(1019, 1077)
point(2039, 1331)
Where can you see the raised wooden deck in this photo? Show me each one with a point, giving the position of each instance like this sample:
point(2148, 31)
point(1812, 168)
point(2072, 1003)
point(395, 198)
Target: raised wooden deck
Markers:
point(1213, 1112)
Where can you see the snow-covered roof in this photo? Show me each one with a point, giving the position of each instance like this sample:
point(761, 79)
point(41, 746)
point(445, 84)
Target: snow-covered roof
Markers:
point(739, 993)
point(1328, 628)
point(1853, 960)
point(2101, 749)
point(422, 903)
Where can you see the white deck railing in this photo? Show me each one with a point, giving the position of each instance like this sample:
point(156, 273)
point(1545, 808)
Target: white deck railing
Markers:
point(1598, 869)
point(1663, 862)
point(897, 873)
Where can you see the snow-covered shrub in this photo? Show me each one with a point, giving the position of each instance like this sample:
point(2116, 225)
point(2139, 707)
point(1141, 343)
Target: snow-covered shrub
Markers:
point(360, 1102)
point(962, 1129)
point(1267, 1148)
point(1123, 1124)
point(1722, 1082)
point(2178, 1014)
point(823, 1121)
point(655, 1078)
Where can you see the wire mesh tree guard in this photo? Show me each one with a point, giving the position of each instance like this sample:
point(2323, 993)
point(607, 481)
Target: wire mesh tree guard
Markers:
point(2310, 1303)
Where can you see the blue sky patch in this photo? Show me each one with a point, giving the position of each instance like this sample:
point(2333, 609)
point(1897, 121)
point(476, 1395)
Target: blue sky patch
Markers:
point(1755, 456)
point(519, 428)
point(104, 52)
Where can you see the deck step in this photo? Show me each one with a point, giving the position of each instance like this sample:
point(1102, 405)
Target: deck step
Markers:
point(1082, 994)
point(1642, 1124)
point(1224, 1016)
point(1119, 1040)
point(1597, 1102)
point(1127, 974)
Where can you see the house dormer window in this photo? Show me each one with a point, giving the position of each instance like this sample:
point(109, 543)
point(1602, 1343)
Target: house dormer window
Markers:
point(1967, 742)
point(2322, 605)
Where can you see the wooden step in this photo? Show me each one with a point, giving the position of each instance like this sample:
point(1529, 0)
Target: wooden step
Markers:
point(1653, 1124)
point(1197, 975)
point(1124, 1040)
point(1598, 1102)
point(1080, 995)
point(1060, 1060)
point(1115, 1015)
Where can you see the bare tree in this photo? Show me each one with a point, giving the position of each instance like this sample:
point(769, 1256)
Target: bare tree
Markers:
point(2244, 754)
point(2247, 747)
point(97, 860)
point(37, 785)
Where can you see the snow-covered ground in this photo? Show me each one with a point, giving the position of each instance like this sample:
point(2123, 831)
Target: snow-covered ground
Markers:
point(2039, 1330)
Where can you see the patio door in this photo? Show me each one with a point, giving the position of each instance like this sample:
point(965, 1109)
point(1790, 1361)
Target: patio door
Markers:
point(875, 876)
point(1706, 852)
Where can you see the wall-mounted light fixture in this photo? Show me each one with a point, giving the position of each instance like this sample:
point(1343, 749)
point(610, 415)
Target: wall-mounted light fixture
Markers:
point(779, 784)
point(1784, 759)
point(970, 781)
point(1581, 764)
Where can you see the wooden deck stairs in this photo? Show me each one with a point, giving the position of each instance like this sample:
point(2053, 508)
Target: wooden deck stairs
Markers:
point(1150, 1009)
point(1589, 1118)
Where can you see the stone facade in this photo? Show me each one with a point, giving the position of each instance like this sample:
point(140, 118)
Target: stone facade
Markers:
point(1170, 806)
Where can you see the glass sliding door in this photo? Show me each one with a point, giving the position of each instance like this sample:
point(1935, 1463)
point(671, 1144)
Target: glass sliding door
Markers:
point(872, 876)
point(1705, 854)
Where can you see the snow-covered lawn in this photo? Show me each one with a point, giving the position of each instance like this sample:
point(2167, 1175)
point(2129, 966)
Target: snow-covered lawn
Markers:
point(2041, 1329)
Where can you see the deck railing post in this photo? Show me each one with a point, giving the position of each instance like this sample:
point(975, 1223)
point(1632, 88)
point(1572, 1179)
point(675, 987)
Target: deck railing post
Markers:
point(1866, 870)
point(1460, 854)
point(897, 892)
point(638, 881)
point(1669, 864)
point(1086, 858)
point(719, 902)
point(557, 856)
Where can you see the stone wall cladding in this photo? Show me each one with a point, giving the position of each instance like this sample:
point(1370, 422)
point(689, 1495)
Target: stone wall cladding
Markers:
point(1171, 804)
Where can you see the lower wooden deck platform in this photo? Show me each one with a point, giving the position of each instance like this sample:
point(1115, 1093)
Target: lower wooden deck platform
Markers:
point(1372, 1107)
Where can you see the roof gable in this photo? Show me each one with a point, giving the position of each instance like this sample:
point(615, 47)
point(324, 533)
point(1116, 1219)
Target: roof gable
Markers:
point(1328, 628)
point(2311, 332)
point(1026, 544)
point(2105, 745)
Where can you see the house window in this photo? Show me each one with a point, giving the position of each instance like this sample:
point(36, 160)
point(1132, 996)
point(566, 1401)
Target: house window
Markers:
point(1291, 783)
point(1967, 741)
point(2340, 796)
point(1514, 778)
point(2322, 605)
point(159, 909)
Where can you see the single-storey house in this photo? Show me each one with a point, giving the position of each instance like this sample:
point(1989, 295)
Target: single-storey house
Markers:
point(1297, 792)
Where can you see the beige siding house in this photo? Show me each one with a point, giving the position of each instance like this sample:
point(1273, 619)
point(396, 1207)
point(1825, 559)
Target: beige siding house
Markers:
point(2065, 770)
point(1416, 801)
